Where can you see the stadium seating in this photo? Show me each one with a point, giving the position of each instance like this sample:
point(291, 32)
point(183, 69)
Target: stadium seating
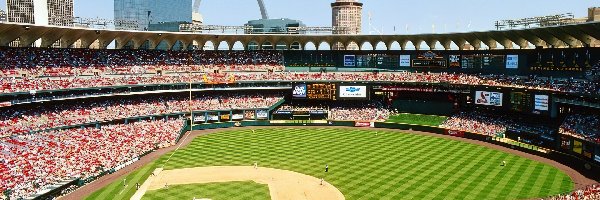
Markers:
point(42, 117)
point(30, 163)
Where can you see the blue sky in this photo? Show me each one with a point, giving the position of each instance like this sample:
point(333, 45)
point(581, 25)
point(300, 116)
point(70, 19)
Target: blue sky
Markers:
point(418, 15)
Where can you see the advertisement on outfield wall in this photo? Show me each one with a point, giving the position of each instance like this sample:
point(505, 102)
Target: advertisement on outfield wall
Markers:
point(262, 114)
point(512, 61)
point(213, 118)
point(299, 91)
point(364, 124)
point(353, 91)
point(488, 98)
point(454, 133)
point(349, 61)
point(237, 116)
point(404, 60)
point(541, 102)
point(577, 146)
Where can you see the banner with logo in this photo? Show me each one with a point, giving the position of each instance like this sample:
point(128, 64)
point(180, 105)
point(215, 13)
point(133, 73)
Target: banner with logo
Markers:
point(577, 146)
point(262, 114)
point(5, 104)
point(454, 133)
point(512, 61)
point(404, 60)
point(299, 91)
point(362, 124)
point(237, 116)
point(541, 102)
point(353, 91)
point(213, 118)
point(349, 61)
point(488, 98)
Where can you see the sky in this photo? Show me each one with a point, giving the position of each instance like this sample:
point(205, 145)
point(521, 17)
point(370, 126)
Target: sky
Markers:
point(387, 16)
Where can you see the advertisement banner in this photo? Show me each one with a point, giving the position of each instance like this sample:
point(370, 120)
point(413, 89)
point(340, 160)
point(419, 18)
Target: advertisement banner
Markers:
point(199, 118)
point(597, 158)
point(454, 133)
point(488, 98)
point(283, 112)
point(262, 114)
point(225, 117)
point(349, 61)
point(577, 146)
point(362, 124)
point(237, 116)
point(541, 102)
point(404, 60)
point(353, 91)
point(213, 118)
point(299, 91)
point(5, 104)
point(512, 61)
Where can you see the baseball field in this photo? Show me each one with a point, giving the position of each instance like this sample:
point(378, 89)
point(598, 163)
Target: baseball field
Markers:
point(363, 164)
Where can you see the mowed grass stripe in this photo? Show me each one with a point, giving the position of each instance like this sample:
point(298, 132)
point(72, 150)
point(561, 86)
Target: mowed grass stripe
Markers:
point(470, 177)
point(368, 166)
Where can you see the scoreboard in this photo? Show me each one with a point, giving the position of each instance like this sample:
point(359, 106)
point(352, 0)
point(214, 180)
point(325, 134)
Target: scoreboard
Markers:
point(321, 91)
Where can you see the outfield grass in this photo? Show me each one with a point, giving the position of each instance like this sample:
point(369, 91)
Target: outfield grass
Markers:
point(214, 191)
point(428, 120)
point(362, 165)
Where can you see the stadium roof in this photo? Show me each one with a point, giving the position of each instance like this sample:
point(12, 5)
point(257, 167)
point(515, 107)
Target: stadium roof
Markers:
point(579, 35)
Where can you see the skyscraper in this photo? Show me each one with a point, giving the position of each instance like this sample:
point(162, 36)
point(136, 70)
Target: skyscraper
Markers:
point(131, 15)
point(40, 12)
point(347, 15)
point(346, 18)
point(152, 14)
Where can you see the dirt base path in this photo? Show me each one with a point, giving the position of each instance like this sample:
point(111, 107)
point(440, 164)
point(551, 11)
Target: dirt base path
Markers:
point(283, 184)
point(579, 180)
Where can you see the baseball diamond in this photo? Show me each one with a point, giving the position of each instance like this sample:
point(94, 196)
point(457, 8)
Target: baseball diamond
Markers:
point(391, 165)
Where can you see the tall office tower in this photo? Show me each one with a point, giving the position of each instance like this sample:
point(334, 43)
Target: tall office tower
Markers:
point(347, 14)
point(346, 18)
point(158, 15)
point(40, 12)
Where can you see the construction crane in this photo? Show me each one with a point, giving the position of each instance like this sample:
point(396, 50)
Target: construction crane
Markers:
point(261, 5)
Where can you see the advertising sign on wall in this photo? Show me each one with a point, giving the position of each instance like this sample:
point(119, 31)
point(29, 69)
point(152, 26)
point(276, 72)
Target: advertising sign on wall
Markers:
point(455, 133)
point(488, 98)
point(597, 158)
point(237, 116)
point(404, 60)
point(349, 61)
point(362, 124)
point(353, 91)
point(577, 146)
point(299, 91)
point(262, 114)
point(512, 61)
point(541, 102)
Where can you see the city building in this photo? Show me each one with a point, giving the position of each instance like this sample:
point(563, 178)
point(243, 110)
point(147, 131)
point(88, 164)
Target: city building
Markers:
point(277, 26)
point(593, 14)
point(346, 19)
point(40, 12)
point(152, 15)
point(2, 16)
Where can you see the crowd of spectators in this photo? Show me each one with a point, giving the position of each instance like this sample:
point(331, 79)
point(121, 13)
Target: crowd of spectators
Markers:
point(70, 62)
point(24, 84)
point(589, 193)
point(21, 121)
point(477, 122)
point(586, 127)
point(372, 111)
point(31, 163)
